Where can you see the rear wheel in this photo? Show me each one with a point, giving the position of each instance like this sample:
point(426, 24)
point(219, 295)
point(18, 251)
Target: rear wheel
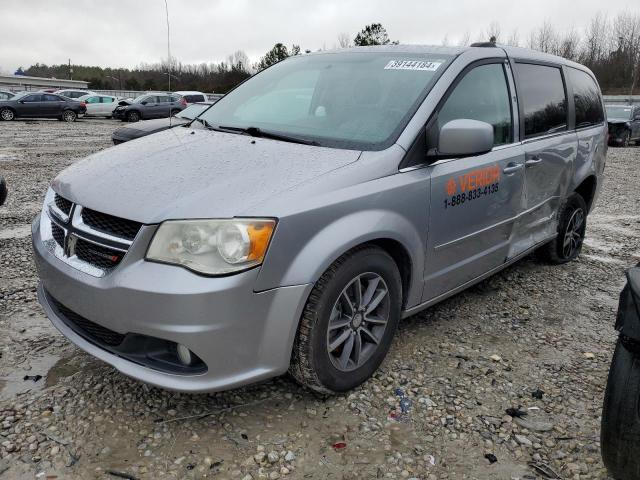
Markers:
point(620, 419)
point(133, 116)
point(572, 224)
point(349, 322)
point(7, 114)
point(625, 138)
point(69, 116)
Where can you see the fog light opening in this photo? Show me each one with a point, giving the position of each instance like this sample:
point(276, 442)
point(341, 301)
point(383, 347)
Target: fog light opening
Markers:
point(184, 355)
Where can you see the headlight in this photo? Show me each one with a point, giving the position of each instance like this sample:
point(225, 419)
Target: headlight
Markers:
point(212, 247)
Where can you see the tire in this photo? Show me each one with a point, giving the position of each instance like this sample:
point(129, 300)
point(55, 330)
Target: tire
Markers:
point(318, 356)
point(69, 116)
point(620, 432)
point(7, 114)
point(3, 191)
point(571, 214)
point(626, 138)
point(174, 112)
point(133, 116)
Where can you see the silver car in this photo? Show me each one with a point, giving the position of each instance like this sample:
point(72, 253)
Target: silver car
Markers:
point(298, 220)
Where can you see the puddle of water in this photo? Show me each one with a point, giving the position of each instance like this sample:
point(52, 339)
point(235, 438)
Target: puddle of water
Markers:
point(19, 231)
point(51, 367)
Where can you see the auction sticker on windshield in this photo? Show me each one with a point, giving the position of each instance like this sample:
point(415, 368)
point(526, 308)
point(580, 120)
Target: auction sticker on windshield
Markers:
point(413, 65)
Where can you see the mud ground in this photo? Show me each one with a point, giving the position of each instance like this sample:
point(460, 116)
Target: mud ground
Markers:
point(535, 336)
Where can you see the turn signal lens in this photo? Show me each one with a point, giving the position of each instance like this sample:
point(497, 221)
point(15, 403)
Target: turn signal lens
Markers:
point(213, 247)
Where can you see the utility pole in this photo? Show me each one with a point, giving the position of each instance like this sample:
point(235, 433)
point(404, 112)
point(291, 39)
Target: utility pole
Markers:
point(70, 71)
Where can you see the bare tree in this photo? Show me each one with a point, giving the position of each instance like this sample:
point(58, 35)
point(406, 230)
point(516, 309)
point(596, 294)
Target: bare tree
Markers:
point(568, 45)
point(493, 32)
point(445, 40)
point(594, 43)
point(514, 38)
point(465, 39)
point(344, 40)
point(240, 61)
point(544, 39)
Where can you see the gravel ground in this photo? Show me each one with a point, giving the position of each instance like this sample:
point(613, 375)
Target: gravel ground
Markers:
point(534, 337)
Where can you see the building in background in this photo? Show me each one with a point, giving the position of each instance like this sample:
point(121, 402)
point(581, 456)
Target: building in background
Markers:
point(19, 83)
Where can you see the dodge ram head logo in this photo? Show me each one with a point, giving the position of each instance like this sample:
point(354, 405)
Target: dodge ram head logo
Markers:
point(70, 245)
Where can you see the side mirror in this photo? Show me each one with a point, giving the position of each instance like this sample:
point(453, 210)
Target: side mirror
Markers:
point(465, 138)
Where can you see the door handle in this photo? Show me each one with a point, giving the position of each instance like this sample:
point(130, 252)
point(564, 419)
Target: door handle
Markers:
point(532, 161)
point(511, 168)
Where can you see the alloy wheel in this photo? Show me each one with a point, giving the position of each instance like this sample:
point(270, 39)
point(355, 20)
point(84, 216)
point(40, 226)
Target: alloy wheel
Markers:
point(574, 233)
point(7, 114)
point(68, 116)
point(358, 321)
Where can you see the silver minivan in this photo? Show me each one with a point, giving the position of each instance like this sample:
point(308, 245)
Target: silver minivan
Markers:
point(297, 221)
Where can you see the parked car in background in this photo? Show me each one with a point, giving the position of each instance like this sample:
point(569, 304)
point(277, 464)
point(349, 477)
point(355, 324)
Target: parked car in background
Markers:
point(620, 432)
point(70, 93)
point(148, 106)
point(147, 127)
point(624, 124)
point(6, 94)
point(192, 96)
point(41, 105)
point(99, 105)
point(294, 223)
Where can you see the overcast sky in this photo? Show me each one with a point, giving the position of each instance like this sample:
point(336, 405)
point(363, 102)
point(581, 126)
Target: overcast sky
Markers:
point(125, 33)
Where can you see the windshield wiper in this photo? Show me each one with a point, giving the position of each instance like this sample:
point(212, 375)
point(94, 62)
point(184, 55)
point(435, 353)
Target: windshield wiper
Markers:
point(203, 122)
point(257, 132)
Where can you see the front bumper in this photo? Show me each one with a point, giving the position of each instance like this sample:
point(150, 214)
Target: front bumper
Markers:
point(119, 113)
point(242, 336)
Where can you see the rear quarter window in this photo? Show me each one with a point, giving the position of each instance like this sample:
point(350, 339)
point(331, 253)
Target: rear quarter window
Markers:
point(194, 98)
point(586, 97)
point(543, 97)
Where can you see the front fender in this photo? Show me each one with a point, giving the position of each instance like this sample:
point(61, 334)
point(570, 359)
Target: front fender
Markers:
point(315, 254)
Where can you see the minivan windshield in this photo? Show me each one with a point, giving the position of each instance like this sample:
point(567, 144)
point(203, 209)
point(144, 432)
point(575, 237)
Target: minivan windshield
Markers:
point(618, 111)
point(354, 100)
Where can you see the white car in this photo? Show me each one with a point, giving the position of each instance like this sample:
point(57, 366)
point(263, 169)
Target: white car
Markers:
point(99, 105)
point(192, 96)
point(6, 94)
point(72, 93)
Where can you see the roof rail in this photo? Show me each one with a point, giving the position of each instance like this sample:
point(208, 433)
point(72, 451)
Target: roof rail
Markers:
point(483, 44)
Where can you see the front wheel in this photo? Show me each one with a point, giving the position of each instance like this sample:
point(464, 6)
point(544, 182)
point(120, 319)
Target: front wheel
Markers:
point(69, 116)
point(620, 432)
point(7, 114)
point(133, 117)
point(348, 322)
point(572, 224)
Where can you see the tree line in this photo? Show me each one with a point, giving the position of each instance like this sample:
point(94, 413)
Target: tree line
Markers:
point(610, 47)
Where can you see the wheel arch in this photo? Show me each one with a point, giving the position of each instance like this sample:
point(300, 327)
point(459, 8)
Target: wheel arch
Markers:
point(15, 113)
point(393, 233)
point(587, 190)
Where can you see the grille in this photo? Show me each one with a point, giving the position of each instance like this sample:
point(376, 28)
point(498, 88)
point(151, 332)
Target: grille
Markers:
point(58, 234)
point(63, 204)
point(97, 255)
point(115, 226)
point(86, 328)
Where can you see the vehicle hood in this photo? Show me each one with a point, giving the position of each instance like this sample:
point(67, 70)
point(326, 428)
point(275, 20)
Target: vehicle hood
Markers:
point(146, 127)
point(193, 173)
